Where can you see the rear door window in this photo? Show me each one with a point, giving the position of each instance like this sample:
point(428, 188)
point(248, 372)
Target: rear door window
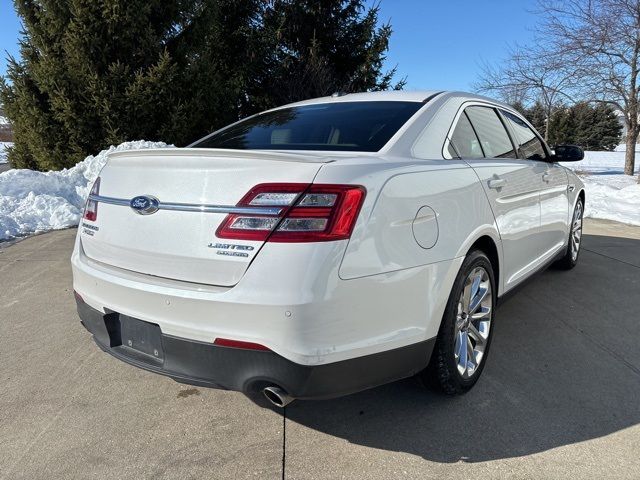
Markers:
point(531, 146)
point(464, 142)
point(491, 132)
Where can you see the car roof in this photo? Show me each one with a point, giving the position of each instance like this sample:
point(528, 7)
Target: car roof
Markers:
point(388, 95)
point(395, 96)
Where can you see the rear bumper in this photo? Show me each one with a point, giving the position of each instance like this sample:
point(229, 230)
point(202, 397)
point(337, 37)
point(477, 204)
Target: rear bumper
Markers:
point(205, 364)
point(290, 300)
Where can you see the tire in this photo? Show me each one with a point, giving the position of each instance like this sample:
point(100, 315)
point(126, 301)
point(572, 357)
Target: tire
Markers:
point(451, 369)
point(570, 258)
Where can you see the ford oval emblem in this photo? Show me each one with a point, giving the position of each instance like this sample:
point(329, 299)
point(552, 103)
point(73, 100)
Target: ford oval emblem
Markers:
point(145, 204)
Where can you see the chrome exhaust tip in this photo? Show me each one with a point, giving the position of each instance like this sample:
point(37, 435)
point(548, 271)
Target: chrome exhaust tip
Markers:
point(277, 396)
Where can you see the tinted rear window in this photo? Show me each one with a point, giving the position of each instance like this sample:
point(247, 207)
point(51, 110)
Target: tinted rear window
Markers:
point(344, 126)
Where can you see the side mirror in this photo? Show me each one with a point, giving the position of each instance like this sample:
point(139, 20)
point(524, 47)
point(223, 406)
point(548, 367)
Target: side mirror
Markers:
point(568, 153)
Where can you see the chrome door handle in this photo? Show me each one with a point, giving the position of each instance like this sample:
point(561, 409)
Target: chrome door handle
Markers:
point(546, 176)
point(497, 183)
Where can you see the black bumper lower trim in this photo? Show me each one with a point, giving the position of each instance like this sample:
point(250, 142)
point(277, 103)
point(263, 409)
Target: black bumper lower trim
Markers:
point(204, 364)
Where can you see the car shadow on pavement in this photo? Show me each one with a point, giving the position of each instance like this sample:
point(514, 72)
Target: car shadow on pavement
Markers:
point(564, 368)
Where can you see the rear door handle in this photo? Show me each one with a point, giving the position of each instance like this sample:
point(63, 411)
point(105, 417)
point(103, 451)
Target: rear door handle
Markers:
point(546, 176)
point(497, 183)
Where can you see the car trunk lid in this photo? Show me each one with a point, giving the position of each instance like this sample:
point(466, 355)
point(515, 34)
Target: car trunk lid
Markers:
point(193, 187)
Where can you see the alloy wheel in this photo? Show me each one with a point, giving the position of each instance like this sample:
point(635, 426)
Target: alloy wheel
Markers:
point(473, 322)
point(576, 231)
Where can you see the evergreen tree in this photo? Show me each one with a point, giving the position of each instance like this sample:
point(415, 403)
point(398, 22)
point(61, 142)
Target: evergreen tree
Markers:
point(605, 129)
point(538, 117)
point(562, 127)
point(221, 52)
point(591, 127)
point(314, 48)
point(98, 72)
point(584, 118)
point(87, 72)
point(520, 107)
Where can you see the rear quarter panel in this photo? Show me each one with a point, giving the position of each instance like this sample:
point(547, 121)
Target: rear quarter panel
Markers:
point(396, 288)
point(414, 215)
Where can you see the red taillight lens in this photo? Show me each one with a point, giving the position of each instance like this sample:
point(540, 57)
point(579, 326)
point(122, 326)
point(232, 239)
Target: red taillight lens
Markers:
point(91, 208)
point(259, 227)
point(323, 213)
point(310, 213)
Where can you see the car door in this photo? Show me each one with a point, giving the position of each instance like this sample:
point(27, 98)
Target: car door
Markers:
point(554, 199)
point(512, 186)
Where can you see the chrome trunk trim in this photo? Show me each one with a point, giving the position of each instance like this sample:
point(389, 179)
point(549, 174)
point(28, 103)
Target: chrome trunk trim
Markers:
point(193, 207)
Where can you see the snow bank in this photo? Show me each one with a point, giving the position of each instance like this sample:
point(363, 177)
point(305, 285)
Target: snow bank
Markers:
point(33, 202)
point(623, 148)
point(611, 195)
point(3, 151)
point(602, 163)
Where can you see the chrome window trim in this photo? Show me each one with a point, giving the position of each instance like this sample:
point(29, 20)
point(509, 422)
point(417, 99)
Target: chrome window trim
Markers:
point(478, 103)
point(193, 207)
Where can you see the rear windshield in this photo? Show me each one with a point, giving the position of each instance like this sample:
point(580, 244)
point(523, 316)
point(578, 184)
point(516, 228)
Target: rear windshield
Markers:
point(343, 126)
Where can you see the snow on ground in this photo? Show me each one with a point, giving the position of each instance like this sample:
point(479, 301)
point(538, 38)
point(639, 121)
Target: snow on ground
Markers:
point(623, 148)
point(611, 195)
point(3, 150)
point(33, 202)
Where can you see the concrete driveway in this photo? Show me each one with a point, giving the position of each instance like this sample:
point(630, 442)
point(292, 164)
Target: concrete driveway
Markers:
point(558, 398)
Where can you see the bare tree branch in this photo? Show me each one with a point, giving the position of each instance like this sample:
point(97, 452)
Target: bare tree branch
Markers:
point(526, 76)
point(585, 50)
point(598, 43)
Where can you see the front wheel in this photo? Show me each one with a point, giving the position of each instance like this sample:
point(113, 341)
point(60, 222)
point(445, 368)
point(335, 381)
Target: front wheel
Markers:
point(465, 334)
point(570, 258)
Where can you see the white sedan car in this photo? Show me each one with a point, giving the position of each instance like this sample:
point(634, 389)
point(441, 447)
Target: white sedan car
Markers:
point(325, 247)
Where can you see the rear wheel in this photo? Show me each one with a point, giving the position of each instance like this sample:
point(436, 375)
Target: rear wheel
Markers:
point(570, 258)
point(465, 333)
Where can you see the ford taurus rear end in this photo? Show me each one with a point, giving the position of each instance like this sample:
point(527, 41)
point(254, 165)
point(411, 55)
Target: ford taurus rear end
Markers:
point(220, 264)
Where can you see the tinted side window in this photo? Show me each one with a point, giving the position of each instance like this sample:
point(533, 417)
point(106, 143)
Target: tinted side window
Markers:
point(531, 147)
point(463, 141)
point(493, 136)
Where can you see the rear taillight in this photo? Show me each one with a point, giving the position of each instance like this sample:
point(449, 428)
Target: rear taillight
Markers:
point(91, 208)
point(310, 213)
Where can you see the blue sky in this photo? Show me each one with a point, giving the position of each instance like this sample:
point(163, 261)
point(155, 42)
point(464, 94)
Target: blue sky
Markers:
point(436, 44)
point(9, 31)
